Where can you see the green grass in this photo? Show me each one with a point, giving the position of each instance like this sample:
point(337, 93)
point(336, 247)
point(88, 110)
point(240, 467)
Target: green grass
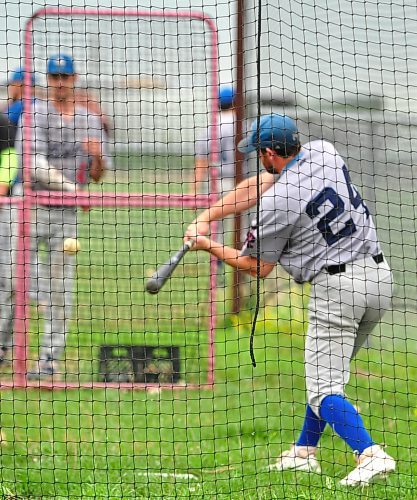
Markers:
point(99, 444)
point(103, 443)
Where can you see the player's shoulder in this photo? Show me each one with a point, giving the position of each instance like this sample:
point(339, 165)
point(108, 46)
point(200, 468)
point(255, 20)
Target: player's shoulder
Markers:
point(318, 154)
point(15, 106)
point(41, 107)
point(318, 146)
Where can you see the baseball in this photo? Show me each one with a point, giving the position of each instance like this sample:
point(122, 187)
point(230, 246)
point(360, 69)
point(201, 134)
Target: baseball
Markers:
point(71, 246)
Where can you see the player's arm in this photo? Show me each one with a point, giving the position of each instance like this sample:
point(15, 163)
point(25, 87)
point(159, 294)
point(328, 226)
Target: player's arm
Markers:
point(52, 178)
point(233, 257)
point(201, 162)
point(91, 103)
point(94, 146)
point(97, 164)
point(243, 197)
point(201, 169)
point(97, 168)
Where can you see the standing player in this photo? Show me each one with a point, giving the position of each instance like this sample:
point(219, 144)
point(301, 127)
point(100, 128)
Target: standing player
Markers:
point(314, 222)
point(65, 138)
point(8, 217)
point(226, 146)
point(225, 170)
point(13, 111)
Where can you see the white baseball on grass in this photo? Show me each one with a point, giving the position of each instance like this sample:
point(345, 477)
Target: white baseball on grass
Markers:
point(71, 246)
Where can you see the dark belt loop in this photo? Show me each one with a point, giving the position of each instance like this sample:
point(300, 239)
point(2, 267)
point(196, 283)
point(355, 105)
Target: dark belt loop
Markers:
point(337, 269)
point(341, 268)
point(378, 258)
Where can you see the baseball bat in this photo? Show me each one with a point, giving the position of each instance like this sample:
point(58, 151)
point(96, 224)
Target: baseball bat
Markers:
point(164, 272)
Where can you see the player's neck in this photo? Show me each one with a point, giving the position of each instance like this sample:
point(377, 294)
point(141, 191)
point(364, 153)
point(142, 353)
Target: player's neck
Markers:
point(280, 163)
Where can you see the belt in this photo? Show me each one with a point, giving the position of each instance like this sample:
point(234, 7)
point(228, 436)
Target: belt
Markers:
point(341, 268)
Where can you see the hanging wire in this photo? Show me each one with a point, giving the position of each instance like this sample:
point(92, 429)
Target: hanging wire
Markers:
point(258, 189)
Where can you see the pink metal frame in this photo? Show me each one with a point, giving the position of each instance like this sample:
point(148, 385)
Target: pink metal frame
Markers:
point(31, 198)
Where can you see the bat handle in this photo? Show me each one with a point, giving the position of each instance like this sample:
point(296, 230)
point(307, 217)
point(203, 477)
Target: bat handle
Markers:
point(189, 244)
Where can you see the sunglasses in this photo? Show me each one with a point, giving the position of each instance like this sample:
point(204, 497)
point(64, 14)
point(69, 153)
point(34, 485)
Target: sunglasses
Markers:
point(62, 76)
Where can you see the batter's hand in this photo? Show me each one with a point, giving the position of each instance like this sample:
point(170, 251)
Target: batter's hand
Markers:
point(200, 242)
point(197, 228)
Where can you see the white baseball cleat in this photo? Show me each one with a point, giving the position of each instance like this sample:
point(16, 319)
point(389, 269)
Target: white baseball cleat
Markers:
point(373, 464)
point(302, 458)
point(43, 370)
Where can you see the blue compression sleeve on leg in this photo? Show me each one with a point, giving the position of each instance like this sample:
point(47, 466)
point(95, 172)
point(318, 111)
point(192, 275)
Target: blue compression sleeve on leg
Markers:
point(346, 421)
point(313, 428)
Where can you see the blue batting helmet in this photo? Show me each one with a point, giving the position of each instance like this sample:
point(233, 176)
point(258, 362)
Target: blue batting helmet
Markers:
point(60, 64)
point(277, 132)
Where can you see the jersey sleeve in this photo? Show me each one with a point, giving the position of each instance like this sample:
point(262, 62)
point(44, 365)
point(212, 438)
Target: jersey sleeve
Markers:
point(14, 112)
point(95, 130)
point(274, 228)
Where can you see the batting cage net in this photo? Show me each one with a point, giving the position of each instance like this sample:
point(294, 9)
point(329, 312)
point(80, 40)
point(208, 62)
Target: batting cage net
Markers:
point(207, 250)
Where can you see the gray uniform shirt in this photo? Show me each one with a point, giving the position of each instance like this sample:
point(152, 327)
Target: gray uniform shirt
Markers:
point(226, 136)
point(60, 140)
point(313, 216)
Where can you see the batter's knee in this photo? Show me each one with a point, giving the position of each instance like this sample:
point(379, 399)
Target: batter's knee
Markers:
point(315, 399)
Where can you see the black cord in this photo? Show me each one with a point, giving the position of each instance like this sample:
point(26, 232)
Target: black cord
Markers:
point(258, 190)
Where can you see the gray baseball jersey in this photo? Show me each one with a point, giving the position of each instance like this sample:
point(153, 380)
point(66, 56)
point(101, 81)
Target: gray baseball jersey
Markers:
point(226, 136)
point(313, 216)
point(60, 140)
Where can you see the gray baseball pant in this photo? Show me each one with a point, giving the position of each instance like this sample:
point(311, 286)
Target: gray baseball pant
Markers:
point(8, 240)
point(56, 275)
point(344, 308)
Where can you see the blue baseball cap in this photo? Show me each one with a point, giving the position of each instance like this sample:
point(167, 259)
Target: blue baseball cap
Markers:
point(226, 96)
point(18, 76)
point(60, 64)
point(277, 132)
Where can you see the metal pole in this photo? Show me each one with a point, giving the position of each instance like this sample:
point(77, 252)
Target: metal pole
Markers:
point(239, 157)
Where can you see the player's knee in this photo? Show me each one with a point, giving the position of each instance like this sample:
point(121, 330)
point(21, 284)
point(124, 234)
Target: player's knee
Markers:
point(314, 402)
point(315, 399)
